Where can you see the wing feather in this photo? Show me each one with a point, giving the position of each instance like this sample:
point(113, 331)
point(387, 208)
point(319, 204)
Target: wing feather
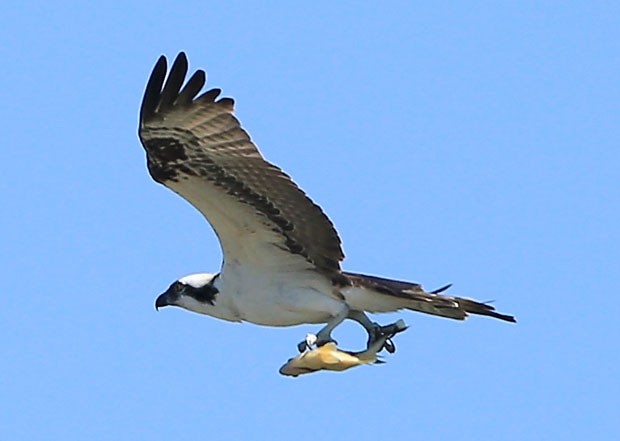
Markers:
point(196, 147)
point(173, 84)
point(193, 86)
point(152, 94)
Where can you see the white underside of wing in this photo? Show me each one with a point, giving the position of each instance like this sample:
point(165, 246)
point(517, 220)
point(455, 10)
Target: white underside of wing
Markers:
point(261, 281)
point(245, 234)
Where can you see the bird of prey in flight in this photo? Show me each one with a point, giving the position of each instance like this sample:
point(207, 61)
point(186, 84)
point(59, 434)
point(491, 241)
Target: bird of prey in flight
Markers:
point(281, 253)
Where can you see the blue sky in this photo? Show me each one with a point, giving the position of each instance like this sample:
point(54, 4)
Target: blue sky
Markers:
point(467, 142)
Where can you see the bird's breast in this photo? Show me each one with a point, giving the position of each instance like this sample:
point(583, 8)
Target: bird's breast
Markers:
point(284, 299)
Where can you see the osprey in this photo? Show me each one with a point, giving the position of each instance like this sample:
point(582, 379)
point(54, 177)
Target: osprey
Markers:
point(281, 253)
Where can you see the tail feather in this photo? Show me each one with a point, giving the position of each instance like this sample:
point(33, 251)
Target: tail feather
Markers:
point(480, 308)
point(428, 302)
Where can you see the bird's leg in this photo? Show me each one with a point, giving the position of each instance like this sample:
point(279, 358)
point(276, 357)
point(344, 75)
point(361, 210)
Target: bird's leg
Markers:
point(325, 334)
point(376, 331)
point(370, 326)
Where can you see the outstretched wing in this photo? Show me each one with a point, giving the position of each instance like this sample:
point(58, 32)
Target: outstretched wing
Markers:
point(196, 147)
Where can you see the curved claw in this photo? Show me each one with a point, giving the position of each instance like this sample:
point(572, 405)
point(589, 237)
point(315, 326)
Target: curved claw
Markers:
point(389, 346)
point(386, 333)
point(302, 346)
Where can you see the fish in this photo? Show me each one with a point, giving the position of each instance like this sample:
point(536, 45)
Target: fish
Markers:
point(329, 358)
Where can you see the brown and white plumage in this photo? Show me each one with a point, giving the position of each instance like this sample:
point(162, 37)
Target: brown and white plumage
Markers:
point(196, 147)
point(282, 254)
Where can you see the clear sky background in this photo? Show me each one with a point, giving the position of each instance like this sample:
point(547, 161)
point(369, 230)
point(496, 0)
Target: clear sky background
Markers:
point(467, 142)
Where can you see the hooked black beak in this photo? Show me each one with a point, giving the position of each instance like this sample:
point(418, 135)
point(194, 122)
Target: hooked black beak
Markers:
point(162, 301)
point(170, 297)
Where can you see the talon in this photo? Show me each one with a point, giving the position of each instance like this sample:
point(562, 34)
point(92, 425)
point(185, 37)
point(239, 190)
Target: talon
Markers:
point(386, 332)
point(302, 346)
point(389, 346)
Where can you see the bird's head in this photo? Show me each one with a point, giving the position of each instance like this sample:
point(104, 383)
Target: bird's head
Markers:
point(196, 292)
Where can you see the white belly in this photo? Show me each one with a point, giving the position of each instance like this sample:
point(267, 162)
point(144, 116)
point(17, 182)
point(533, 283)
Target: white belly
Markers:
point(284, 299)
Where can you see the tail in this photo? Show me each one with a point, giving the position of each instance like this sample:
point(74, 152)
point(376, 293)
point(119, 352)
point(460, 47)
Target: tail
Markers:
point(434, 303)
point(481, 308)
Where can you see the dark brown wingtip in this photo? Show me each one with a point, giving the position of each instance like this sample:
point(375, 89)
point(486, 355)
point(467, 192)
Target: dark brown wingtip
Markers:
point(227, 103)
point(175, 80)
point(153, 89)
point(191, 88)
point(211, 96)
